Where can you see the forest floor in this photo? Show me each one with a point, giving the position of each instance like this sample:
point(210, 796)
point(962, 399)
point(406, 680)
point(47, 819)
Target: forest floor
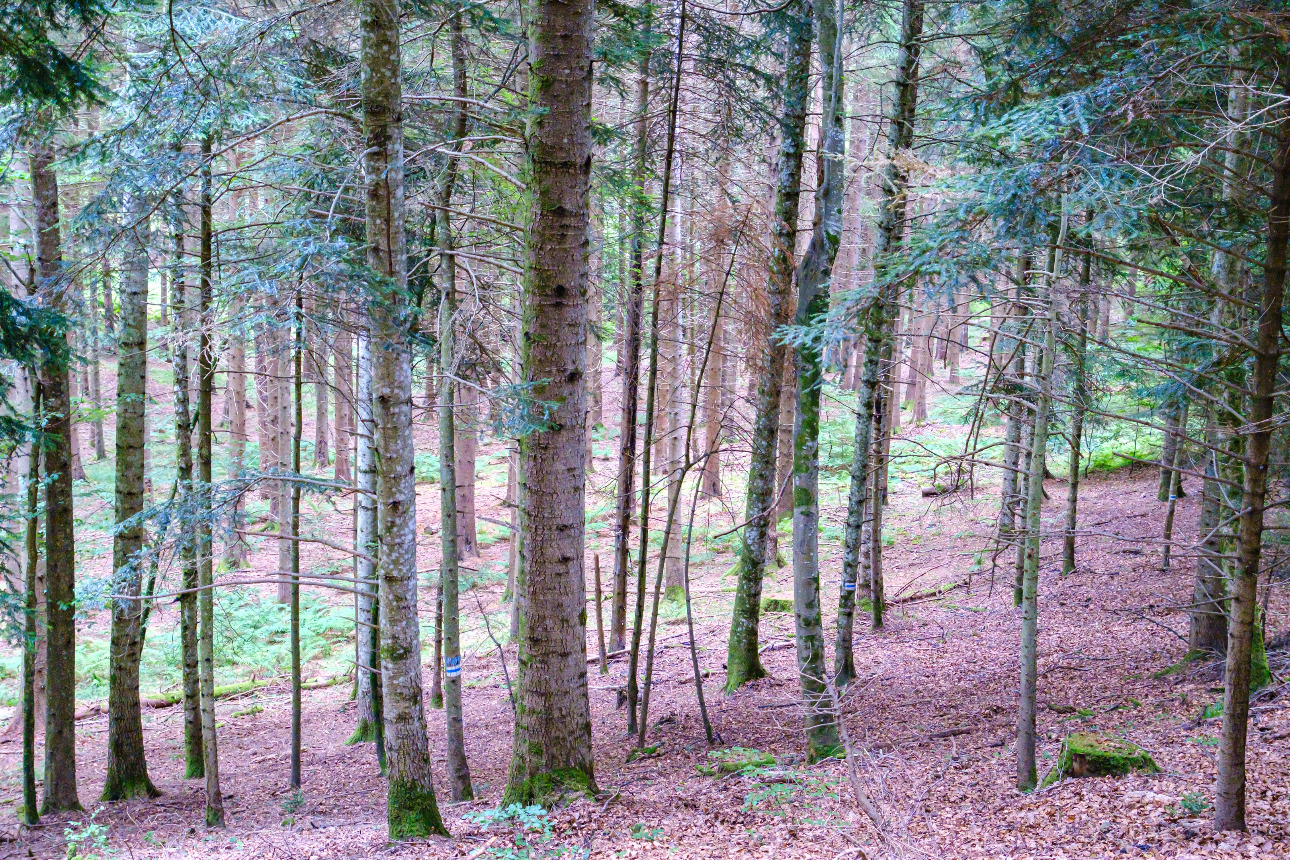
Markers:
point(932, 714)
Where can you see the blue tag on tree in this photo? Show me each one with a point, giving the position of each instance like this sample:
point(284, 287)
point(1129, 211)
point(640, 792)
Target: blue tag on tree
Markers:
point(452, 667)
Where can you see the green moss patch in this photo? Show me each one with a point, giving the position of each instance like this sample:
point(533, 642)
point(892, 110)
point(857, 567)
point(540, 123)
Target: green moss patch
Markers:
point(1094, 754)
point(734, 760)
point(777, 604)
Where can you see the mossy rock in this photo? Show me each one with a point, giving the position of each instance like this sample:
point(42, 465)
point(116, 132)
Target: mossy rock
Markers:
point(1094, 754)
point(734, 760)
point(777, 604)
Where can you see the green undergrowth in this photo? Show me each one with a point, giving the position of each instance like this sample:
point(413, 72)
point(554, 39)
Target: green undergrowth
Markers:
point(735, 760)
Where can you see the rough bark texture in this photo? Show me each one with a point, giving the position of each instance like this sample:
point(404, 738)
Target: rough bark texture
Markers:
point(343, 375)
point(127, 767)
point(60, 557)
point(743, 664)
point(367, 619)
point(552, 750)
point(412, 809)
point(1229, 794)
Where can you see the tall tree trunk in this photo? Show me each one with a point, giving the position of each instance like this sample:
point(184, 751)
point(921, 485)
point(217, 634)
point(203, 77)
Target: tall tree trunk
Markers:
point(877, 321)
point(552, 751)
point(412, 810)
point(95, 375)
point(31, 617)
point(1229, 795)
point(630, 358)
point(814, 277)
point(205, 546)
point(318, 359)
point(236, 551)
point(454, 520)
point(194, 756)
point(286, 429)
point(343, 374)
point(1026, 727)
point(1207, 627)
point(465, 453)
point(743, 661)
point(1079, 405)
point(127, 765)
point(297, 431)
point(60, 555)
point(366, 614)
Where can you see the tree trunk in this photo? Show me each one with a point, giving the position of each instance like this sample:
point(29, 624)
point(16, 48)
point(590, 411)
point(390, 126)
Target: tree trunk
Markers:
point(127, 766)
point(552, 751)
point(412, 810)
point(456, 490)
point(814, 274)
point(194, 756)
point(205, 566)
point(466, 449)
point(60, 555)
point(1026, 729)
point(877, 321)
point(96, 383)
point(343, 374)
point(366, 615)
point(743, 662)
point(236, 551)
point(1207, 626)
point(1229, 795)
point(1079, 406)
point(632, 309)
point(318, 359)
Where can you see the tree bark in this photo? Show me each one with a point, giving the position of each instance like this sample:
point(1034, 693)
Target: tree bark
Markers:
point(552, 751)
point(205, 546)
point(412, 810)
point(127, 766)
point(1229, 795)
point(743, 662)
point(814, 276)
point(1079, 406)
point(60, 556)
point(343, 374)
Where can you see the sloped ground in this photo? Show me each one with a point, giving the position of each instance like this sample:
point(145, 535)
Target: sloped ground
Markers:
point(932, 717)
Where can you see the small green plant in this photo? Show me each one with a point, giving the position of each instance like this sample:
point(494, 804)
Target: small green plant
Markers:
point(528, 819)
point(294, 801)
point(1194, 802)
point(87, 841)
point(646, 833)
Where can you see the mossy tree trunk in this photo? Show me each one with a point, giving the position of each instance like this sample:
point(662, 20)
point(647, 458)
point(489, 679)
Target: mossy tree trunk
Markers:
point(743, 663)
point(552, 751)
point(411, 809)
point(127, 766)
point(814, 277)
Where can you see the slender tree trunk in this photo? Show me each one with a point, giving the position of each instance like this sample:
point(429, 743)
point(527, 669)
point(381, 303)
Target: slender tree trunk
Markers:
point(127, 765)
point(205, 547)
point(322, 450)
point(877, 322)
point(1079, 406)
point(451, 495)
point(194, 756)
point(814, 276)
point(1229, 794)
point(297, 402)
point(343, 374)
point(743, 661)
point(31, 619)
point(1207, 627)
point(236, 551)
point(96, 383)
point(552, 751)
point(1174, 429)
point(465, 452)
point(630, 358)
point(1026, 728)
point(60, 555)
point(412, 810)
point(367, 618)
point(286, 427)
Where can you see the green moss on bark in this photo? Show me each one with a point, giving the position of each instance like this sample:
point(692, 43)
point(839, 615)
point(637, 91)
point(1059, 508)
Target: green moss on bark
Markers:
point(549, 787)
point(364, 733)
point(412, 812)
